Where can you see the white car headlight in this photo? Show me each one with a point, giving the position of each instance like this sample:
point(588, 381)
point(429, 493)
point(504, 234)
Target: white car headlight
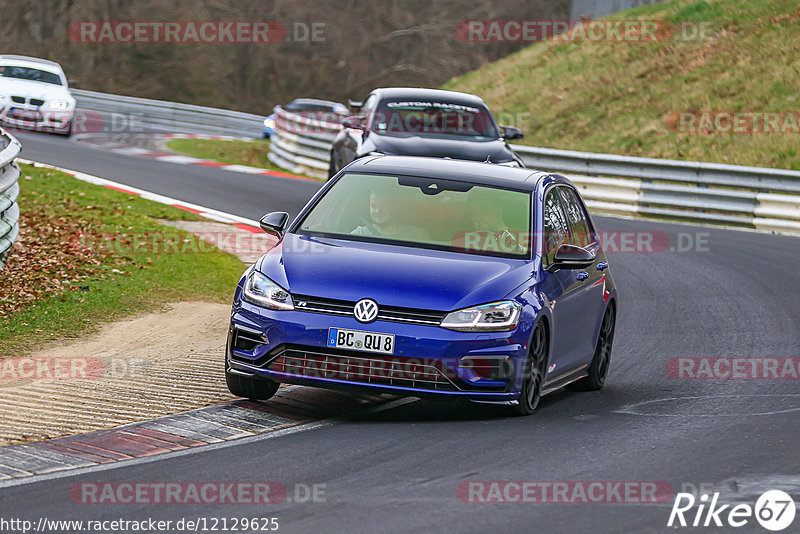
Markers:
point(261, 291)
point(269, 123)
point(59, 104)
point(494, 317)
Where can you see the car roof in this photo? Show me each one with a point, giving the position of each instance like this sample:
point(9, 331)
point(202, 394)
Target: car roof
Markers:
point(31, 60)
point(315, 102)
point(452, 169)
point(429, 94)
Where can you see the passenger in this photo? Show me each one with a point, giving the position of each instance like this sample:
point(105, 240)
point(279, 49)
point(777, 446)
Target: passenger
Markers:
point(492, 233)
point(385, 214)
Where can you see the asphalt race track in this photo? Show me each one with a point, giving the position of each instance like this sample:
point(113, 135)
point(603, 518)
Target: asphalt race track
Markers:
point(398, 469)
point(243, 194)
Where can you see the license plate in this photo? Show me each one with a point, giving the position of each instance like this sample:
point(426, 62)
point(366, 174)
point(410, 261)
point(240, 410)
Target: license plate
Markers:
point(363, 341)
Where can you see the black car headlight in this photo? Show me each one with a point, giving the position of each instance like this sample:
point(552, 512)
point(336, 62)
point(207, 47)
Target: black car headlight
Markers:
point(261, 291)
point(495, 317)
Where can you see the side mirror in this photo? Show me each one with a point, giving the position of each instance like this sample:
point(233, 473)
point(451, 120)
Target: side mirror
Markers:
point(511, 132)
point(274, 223)
point(571, 257)
point(355, 122)
point(73, 83)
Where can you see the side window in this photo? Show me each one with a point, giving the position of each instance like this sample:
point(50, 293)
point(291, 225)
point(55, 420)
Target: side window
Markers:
point(579, 227)
point(556, 231)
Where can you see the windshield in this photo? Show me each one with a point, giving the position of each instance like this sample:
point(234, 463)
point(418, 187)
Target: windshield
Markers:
point(429, 117)
point(26, 73)
point(424, 212)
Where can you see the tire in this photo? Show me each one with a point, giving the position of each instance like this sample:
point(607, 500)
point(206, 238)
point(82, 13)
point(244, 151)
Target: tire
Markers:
point(251, 388)
point(535, 369)
point(598, 369)
point(68, 131)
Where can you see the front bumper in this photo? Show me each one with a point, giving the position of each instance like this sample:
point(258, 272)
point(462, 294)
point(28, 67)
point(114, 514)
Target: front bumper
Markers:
point(428, 361)
point(16, 116)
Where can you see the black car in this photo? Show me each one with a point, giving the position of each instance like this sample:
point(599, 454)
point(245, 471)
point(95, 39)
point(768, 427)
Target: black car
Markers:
point(423, 122)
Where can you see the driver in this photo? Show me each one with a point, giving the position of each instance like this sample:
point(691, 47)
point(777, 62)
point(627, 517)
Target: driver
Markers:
point(385, 213)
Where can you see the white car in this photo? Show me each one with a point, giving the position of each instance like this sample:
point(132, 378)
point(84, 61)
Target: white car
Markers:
point(34, 94)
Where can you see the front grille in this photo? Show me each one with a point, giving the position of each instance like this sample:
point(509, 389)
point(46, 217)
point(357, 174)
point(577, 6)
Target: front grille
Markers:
point(385, 313)
point(18, 99)
point(392, 371)
point(37, 102)
point(25, 114)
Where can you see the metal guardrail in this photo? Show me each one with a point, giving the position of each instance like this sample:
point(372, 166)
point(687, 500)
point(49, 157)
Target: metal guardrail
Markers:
point(753, 197)
point(172, 117)
point(302, 144)
point(9, 191)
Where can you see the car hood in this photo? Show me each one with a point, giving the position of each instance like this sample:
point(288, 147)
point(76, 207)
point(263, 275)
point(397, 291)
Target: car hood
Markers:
point(497, 151)
point(391, 275)
point(30, 89)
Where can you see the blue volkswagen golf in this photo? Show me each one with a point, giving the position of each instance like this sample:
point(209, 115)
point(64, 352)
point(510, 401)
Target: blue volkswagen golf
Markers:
point(429, 278)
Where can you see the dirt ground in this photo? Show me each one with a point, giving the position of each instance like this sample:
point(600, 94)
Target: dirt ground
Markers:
point(146, 366)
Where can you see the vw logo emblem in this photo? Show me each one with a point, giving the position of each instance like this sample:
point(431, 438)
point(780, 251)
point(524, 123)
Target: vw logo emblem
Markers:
point(366, 310)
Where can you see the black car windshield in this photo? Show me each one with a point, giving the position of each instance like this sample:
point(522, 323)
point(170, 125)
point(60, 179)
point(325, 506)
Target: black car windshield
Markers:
point(425, 213)
point(26, 73)
point(433, 117)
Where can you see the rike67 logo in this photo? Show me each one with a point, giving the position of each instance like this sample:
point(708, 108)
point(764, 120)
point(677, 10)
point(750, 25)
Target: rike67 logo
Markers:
point(774, 510)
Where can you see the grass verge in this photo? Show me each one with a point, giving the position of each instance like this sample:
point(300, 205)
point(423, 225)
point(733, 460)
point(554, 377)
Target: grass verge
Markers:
point(88, 255)
point(233, 152)
point(624, 97)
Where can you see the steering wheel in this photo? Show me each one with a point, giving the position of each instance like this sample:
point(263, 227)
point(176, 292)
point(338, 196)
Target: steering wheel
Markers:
point(510, 241)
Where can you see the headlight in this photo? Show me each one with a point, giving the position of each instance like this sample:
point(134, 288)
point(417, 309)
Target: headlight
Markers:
point(374, 153)
point(512, 163)
point(59, 104)
point(494, 317)
point(269, 123)
point(261, 291)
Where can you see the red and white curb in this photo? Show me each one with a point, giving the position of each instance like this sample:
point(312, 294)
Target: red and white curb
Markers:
point(202, 136)
point(210, 427)
point(171, 157)
point(209, 213)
